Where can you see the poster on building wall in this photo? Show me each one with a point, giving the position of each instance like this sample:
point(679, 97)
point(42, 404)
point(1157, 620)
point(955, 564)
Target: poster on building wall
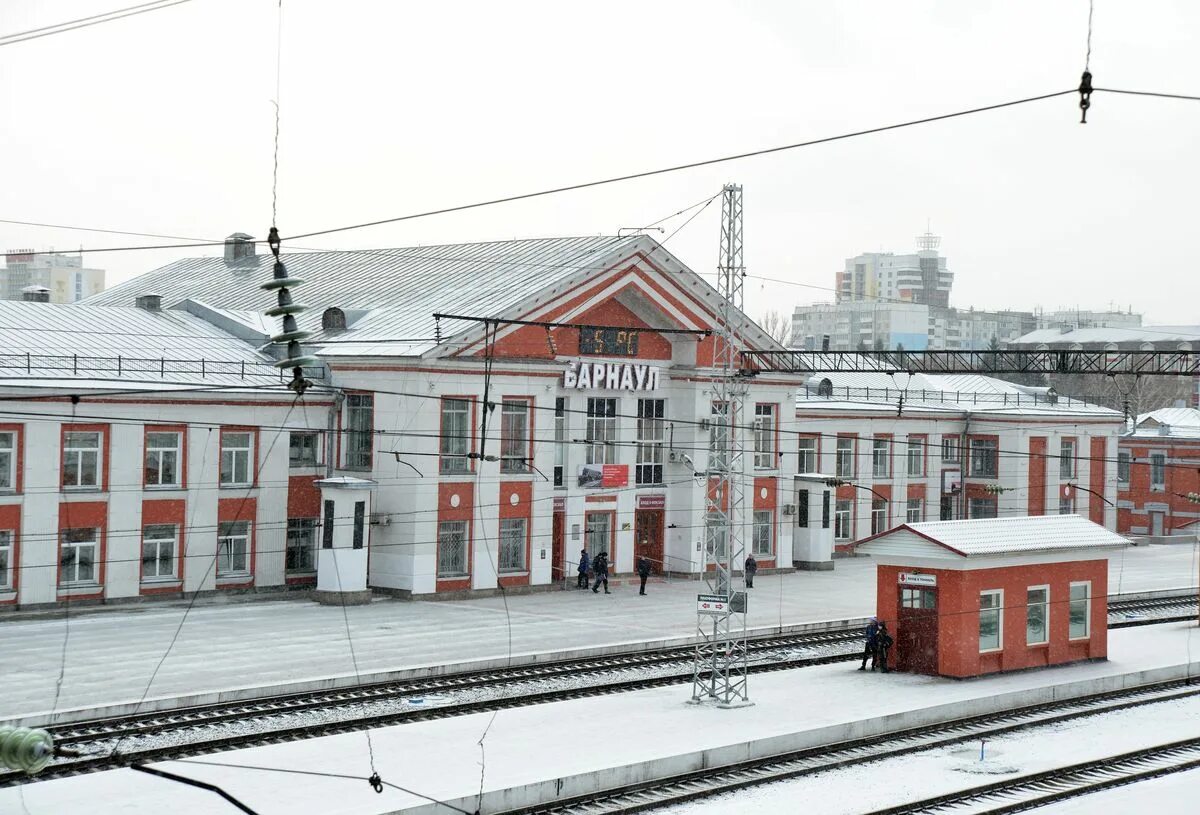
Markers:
point(951, 482)
point(603, 476)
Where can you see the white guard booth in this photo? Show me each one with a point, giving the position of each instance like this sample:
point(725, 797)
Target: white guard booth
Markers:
point(344, 541)
point(812, 537)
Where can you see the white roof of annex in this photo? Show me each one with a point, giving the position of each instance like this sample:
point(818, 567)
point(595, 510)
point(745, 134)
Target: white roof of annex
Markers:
point(991, 537)
point(1171, 423)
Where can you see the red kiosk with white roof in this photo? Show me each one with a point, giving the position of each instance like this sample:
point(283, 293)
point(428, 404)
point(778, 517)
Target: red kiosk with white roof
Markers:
point(966, 598)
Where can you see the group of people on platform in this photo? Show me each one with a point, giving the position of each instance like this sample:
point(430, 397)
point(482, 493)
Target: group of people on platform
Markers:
point(877, 643)
point(597, 569)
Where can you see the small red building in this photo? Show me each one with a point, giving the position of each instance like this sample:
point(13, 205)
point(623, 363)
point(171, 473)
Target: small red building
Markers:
point(965, 598)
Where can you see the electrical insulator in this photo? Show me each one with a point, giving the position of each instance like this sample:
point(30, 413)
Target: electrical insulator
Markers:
point(23, 748)
point(287, 308)
point(1194, 497)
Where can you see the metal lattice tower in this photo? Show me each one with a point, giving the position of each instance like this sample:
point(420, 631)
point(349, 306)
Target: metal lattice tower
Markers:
point(720, 670)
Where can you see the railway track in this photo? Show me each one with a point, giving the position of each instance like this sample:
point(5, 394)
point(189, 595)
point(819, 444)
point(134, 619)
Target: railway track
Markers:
point(1062, 783)
point(204, 729)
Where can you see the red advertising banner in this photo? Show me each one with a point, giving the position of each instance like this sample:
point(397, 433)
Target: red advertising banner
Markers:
point(615, 475)
point(651, 502)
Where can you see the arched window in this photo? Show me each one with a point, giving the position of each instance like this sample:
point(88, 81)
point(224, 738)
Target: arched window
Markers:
point(825, 388)
point(334, 319)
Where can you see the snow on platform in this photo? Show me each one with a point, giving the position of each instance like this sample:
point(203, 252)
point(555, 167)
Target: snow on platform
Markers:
point(607, 740)
point(224, 643)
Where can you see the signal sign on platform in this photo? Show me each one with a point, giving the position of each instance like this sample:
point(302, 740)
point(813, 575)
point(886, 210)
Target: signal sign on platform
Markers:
point(716, 604)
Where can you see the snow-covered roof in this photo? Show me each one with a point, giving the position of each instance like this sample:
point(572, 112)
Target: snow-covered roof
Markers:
point(1170, 423)
point(1114, 334)
point(990, 537)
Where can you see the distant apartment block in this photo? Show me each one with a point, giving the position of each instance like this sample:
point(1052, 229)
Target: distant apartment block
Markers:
point(917, 278)
point(51, 277)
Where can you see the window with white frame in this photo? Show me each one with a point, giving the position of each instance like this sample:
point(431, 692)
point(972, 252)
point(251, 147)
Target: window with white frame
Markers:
point(1066, 459)
point(1066, 506)
point(1158, 470)
point(949, 449)
point(600, 430)
point(301, 554)
point(913, 512)
point(982, 508)
point(764, 533)
point(514, 436)
point(360, 430)
point(237, 455)
point(1123, 467)
point(83, 456)
point(512, 545)
point(304, 448)
point(716, 536)
point(718, 436)
point(881, 459)
point(560, 442)
point(456, 436)
point(597, 533)
point(651, 435)
point(77, 555)
point(7, 561)
point(764, 437)
point(1037, 615)
point(159, 542)
point(452, 549)
point(915, 455)
point(233, 549)
point(983, 458)
point(8, 461)
point(841, 519)
point(1080, 610)
point(991, 620)
point(163, 458)
point(808, 455)
point(878, 516)
point(844, 459)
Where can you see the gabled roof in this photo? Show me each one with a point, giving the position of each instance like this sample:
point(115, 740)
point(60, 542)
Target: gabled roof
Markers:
point(991, 537)
point(1169, 423)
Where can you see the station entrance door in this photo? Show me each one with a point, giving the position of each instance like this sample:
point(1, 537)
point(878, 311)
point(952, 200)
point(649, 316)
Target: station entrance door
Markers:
point(917, 631)
point(648, 534)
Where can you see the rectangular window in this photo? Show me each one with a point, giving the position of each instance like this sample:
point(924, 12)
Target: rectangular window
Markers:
point(514, 436)
point(8, 461)
point(983, 458)
point(77, 557)
point(844, 460)
point(808, 455)
point(360, 430)
point(82, 460)
point(456, 436)
point(1158, 470)
point(802, 509)
point(1037, 615)
point(301, 555)
point(360, 524)
point(651, 434)
point(233, 549)
point(7, 561)
point(163, 457)
point(841, 519)
point(918, 598)
point(600, 430)
point(560, 442)
point(764, 533)
point(304, 449)
point(1123, 467)
point(237, 453)
point(991, 621)
point(1066, 506)
point(452, 549)
point(327, 526)
point(1066, 459)
point(512, 545)
point(1080, 610)
point(158, 551)
point(716, 537)
point(879, 515)
point(881, 459)
point(981, 508)
point(916, 455)
point(825, 509)
point(950, 449)
point(597, 533)
point(718, 436)
point(913, 512)
point(764, 437)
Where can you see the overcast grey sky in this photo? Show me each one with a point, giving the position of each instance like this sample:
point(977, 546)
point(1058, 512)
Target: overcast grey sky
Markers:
point(163, 123)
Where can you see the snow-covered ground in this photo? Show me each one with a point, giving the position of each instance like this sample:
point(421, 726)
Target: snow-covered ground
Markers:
point(1170, 795)
point(531, 744)
point(111, 654)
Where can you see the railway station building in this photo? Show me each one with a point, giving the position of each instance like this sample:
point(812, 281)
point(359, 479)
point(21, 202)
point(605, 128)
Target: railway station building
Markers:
point(1158, 476)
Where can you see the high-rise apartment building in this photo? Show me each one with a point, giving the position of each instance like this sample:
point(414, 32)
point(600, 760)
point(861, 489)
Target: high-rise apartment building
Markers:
point(64, 276)
point(883, 276)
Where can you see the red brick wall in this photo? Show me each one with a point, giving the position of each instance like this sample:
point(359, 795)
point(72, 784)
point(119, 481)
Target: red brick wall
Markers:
point(1096, 479)
point(1182, 475)
point(1037, 475)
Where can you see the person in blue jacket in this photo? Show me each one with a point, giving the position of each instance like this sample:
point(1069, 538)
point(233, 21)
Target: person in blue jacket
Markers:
point(582, 582)
point(871, 646)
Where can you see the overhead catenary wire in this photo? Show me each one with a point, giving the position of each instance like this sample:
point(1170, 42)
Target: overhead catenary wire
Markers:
point(87, 22)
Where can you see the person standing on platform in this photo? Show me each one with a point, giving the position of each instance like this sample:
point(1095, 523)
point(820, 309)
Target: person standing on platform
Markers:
point(751, 570)
point(871, 646)
point(643, 571)
point(883, 641)
point(582, 582)
point(600, 568)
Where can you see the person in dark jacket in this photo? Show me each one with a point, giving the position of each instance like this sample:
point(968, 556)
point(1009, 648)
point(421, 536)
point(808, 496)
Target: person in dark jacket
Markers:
point(600, 569)
point(584, 563)
point(883, 641)
point(871, 646)
point(751, 570)
point(643, 570)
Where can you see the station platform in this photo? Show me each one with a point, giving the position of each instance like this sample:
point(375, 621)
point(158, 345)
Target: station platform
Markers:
point(228, 643)
point(583, 746)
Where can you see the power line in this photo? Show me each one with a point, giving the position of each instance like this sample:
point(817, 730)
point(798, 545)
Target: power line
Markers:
point(1151, 93)
point(86, 22)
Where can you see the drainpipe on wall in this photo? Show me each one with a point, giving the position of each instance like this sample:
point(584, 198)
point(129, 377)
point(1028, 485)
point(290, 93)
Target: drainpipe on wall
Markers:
point(331, 447)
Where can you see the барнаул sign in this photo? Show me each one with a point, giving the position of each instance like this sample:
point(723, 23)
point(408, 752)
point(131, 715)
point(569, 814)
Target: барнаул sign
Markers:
point(613, 376)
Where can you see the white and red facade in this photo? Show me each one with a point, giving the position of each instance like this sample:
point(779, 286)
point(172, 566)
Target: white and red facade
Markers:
point(1159, 468)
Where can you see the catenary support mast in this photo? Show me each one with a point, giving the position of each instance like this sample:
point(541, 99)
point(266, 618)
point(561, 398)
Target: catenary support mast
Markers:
point(720, 670)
